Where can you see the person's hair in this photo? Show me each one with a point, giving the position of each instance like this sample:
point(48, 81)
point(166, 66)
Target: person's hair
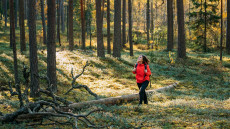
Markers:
point(145, 59)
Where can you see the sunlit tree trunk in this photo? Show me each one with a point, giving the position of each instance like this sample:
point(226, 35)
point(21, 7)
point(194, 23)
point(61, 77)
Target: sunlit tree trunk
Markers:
point(34, 84)
point(99, 19)
point(170, 25)
point(130, 27)
point(108, 28)
point(117, 29)
point(228, 27)
point(151, 21)
point(205, 26)
point(43, 21)
point(5, 12)
point(181, 53)
point(221, 35)
point(22, 26)
point(124, 24)
point(70, 26)
point(67, 23)
point(148, 22)
point(83, 24)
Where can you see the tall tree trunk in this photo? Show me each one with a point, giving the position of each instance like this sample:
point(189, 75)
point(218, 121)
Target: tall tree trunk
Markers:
point(12, 41)
point(148, 22)
point(117, 29)
point(130, 27)
point(181, 32)
point(82, 24)
point(62, 16)
point(34, 84)
point(99, 19)
point(170, 25)
point(43, 21)
point(51, 46)
point(25, 9)
point(124, 24)
point(228, 28)
point(67, 23)
point(12, 27)
point(22, 26)
point(70, 26)
point(58, 22)
point(5, 12)
point(16, 13)
point(151, 21)
point(221, 35)
point(108, 28)
point(205, 26)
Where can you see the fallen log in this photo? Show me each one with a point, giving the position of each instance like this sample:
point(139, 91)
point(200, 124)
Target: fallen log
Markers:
point(118, 99)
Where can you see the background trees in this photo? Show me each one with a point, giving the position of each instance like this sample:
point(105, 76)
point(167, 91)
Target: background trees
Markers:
point(51, 45)
point(117, 29)
point(34, 84)
point(181, 51)
point(99, 19)
point(22, 26)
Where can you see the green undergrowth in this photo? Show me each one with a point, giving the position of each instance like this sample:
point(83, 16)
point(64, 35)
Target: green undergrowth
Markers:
point(201, 100)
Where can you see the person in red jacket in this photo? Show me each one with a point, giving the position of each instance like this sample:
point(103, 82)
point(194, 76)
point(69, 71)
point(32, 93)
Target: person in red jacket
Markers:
point(142, 71)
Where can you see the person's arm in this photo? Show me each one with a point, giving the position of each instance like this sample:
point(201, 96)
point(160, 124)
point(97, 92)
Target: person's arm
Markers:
point(134, 69)
point(148, 72)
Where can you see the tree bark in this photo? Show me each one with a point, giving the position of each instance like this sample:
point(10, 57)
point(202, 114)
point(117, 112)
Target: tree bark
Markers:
point(83, 24)
point(117, 29)
point(108, 28)
point(124, 24)
point(62, 16)
point(181, 32)
point(58, 22)
point(22, 26)
point(67, 23)
point(118, 99)
point(5, 12)
point(12, 41)
point(16, 13)
point(70, 27)
point(170, 25)
point(34, 83)
point(228, 28)
point(43, 21)
point(99, 22)
point(148, 22)
point(130, 27)
point(51, 46)
point(221, 35)
point(151, 21)
point(205, 26)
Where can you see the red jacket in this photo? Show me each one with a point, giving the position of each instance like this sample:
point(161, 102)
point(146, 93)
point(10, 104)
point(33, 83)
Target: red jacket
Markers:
point(141, 76)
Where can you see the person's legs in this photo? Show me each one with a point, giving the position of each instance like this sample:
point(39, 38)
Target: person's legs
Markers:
point(139, 85)
point(145, 98)
point(142, 92)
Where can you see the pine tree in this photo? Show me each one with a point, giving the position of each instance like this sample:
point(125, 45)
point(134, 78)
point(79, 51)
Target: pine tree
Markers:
point(203, 16)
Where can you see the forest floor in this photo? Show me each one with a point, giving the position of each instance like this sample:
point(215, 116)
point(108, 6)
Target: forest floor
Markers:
point(200, 101)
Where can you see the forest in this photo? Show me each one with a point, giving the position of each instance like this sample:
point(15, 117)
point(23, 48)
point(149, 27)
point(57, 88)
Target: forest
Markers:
point(76, 63)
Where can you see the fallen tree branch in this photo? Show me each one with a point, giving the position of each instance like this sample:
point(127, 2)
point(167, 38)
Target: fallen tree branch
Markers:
point(118, 99)
point(66, 102)
point(80, 86)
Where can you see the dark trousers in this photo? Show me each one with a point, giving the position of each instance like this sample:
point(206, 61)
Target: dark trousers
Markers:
point(142, 94)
